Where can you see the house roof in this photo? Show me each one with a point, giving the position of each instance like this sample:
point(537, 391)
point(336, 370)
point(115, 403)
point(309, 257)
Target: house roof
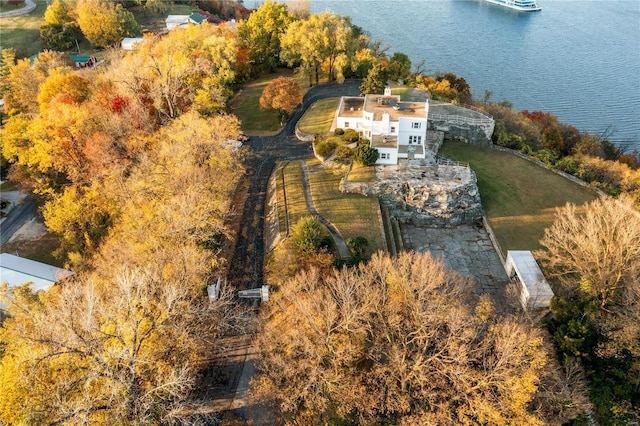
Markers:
point(128, 43)
point(15, 270)
point(392, 105)
point(177, 19)
point(197, 18)
point(378, 105)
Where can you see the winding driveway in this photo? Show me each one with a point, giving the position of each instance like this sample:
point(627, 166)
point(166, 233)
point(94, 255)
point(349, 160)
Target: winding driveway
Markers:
point(29, 5)
point(246, 266)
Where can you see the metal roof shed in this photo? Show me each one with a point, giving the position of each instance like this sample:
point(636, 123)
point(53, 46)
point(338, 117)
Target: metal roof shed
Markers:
point(535, 291)
point(16, 271)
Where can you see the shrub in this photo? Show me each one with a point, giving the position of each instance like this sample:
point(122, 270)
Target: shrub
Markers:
point(366, 155)
point(325, 149)
point(338, 131)
point(567, 165)
point(350, 136)
point(358, 245)
point(307, 235)
point(343, 152)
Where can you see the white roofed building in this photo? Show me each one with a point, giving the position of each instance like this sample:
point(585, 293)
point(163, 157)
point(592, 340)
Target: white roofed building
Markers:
point(129, 43)
point(15, 271)
point(396, 129)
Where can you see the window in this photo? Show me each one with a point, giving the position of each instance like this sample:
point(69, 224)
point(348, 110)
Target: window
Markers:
point(346, 124)
point(384, 156)
point(393, 129)
point(415, 139)
point(416, 125)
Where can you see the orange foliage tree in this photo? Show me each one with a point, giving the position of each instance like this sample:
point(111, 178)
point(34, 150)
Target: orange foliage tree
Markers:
point(283, 94)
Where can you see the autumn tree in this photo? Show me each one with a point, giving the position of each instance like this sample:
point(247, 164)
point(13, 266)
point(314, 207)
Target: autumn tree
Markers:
point(20, 87)
point(105, 23)
point(375, 81)
point(121, 342)
point(261, 33)
point(283, 94)
point(400, 342)
point(323, 43)
point(59, 31)
point(399, 66)
point(593, 257)
point(115, 349)
point(191, 67)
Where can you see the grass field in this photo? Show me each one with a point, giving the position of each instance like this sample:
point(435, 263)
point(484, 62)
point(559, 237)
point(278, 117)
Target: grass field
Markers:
point(361, 173)
point(318, 118)
point(353, 214)
point(156, 22)
point(23, 32)
point(246, 105)
point(518, 197)
point(296, 205)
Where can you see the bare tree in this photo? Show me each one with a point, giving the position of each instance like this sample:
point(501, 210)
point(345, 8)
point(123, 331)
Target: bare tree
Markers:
point(593, 256)
point(98, 350)
point(398, 341)
point(595, 250)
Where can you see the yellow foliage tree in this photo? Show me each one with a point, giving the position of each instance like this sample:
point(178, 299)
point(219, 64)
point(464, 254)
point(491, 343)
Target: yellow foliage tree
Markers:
point(104, 23)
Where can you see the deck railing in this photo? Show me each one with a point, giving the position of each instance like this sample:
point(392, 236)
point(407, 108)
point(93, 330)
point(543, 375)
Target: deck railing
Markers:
point(459, 119)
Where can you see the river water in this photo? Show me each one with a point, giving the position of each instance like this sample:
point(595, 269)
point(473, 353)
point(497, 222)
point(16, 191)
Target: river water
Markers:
point(579, 60)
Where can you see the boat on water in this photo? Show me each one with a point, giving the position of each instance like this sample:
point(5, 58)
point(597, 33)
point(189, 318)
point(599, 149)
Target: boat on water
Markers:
point(521, 5)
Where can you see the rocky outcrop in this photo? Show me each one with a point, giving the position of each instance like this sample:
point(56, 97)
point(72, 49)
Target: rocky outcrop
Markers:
point(440, 194)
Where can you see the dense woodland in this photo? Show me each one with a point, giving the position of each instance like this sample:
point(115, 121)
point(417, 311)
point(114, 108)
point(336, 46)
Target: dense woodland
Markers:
point(134, 171)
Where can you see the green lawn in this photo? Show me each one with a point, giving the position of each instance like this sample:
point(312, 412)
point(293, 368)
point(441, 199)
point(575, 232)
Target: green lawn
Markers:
point(518, 197)
point(246, 105)
point(318, 118)
point(23, 32)
point(156, 22)
point(361, 173)
point(296, 205)
point(353, 214)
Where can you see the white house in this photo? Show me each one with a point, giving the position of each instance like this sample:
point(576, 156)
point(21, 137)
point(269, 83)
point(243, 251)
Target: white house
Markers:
point(396, 129)
point(129, 43)
point(16, 271)
point(174, 21)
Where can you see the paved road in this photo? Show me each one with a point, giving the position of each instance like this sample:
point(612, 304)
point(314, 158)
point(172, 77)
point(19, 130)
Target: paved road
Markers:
point(18, 216)
point(246, 264)
point(29, 5)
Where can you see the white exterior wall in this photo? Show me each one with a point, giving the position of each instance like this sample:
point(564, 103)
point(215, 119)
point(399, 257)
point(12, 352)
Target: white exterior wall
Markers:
point(405, 129)
point(391, 153)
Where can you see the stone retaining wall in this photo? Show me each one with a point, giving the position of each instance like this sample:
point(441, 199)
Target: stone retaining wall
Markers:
point(471, 133)
point(303, 136)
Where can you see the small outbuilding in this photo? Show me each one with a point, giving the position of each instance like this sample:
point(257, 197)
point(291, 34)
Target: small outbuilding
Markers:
point(535, 292)
point(174, 21)
point(129, 43)
point(15, 271)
